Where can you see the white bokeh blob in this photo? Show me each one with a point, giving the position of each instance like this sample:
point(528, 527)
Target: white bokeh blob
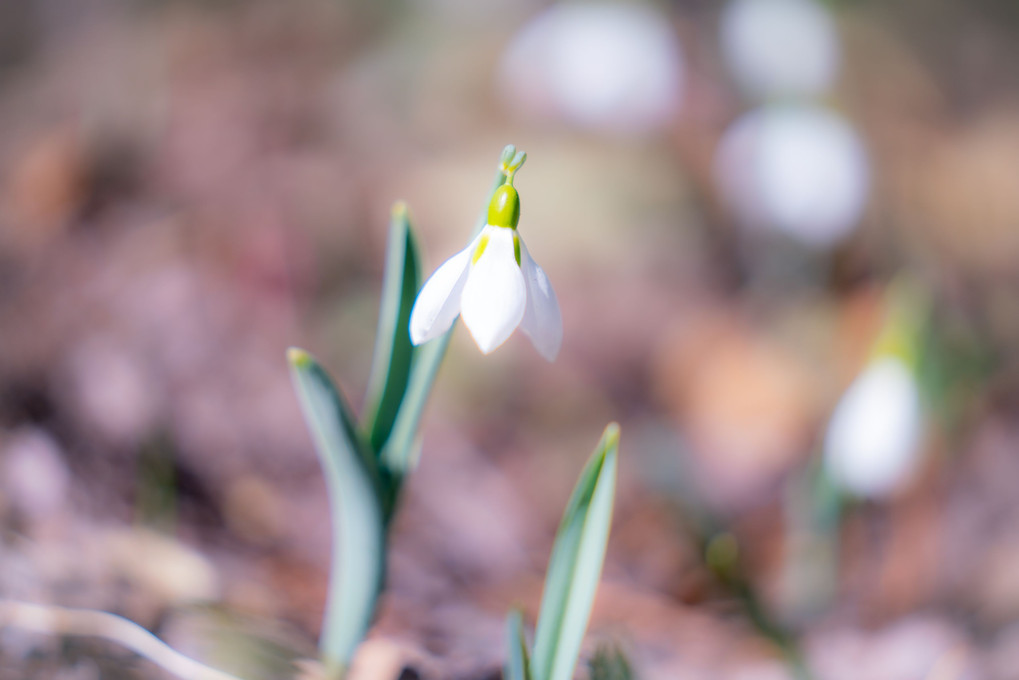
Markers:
point(780, 47)
point(800, 170)
point(873, 439)
point(609, 67)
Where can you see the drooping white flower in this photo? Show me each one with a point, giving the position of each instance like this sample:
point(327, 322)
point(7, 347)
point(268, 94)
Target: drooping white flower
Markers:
point(495, 285)
point(873, 440)
point(780, 47)
point(796, 169)
point(611, 67)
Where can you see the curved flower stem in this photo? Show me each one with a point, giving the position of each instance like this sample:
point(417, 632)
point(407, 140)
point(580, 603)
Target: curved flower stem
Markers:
point(728, 570)
point(63, 621)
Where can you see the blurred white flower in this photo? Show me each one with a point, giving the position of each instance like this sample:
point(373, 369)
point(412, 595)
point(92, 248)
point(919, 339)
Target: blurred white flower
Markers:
point(112, 388)
point(801, 170)
point(495, 285)
point(873, 439)
point(33, 474)
point(610, 67)
point(780, 47)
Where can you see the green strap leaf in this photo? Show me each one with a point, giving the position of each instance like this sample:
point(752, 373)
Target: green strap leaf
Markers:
point(517, 663)
point(576, 563)
point(399, 453)
point(394, 353)
point(358, 560)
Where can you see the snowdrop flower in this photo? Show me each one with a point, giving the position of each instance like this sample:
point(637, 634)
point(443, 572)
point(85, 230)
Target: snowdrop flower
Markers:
point(780, 47)
point(873, 440)
point(797, 169)
point(615, 68)
point(494, 284)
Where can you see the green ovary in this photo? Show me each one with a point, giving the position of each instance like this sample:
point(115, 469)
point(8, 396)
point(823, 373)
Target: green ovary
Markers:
point(504, 209)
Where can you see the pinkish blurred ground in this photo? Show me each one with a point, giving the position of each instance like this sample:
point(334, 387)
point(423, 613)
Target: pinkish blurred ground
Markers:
point(186, 189)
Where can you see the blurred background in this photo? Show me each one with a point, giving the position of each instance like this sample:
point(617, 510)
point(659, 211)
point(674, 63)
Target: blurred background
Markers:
point(784, 236)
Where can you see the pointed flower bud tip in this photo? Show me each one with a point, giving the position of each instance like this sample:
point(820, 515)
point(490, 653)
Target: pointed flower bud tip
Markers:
point(612, 434)
point(298, 357)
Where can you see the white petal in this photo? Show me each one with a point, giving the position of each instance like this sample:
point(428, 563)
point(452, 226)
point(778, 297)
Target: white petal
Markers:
point(495, 295)
point(542, 322)
point(438, 303)
point(873, 440)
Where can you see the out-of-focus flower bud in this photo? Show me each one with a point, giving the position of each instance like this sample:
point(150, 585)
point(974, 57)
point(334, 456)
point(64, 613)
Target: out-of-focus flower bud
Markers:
point(780, 47)
point(800, 170)
point(873, 439)
point(613, 68)
point(873, 443)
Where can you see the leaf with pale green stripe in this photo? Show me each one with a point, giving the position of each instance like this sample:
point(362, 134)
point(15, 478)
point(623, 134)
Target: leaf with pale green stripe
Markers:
point(576, 564)
point(517, 663)
point(351, 476)
point(399, 452)
point(394, 353)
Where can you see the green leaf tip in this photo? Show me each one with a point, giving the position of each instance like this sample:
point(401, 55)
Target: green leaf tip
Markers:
point(610, 437)
point(575, 566)
point(356, 511)
point(298, 358)
point(394, 355)
point(518, 660)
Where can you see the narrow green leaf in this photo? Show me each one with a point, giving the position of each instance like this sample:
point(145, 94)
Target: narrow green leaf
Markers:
point(356, 512)
point(394, 352)
point(517, 662)
point(398, 451)
point(576, 564)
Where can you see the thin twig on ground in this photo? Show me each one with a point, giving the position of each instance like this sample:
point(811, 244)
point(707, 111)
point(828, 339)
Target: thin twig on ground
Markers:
point(64, 621)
